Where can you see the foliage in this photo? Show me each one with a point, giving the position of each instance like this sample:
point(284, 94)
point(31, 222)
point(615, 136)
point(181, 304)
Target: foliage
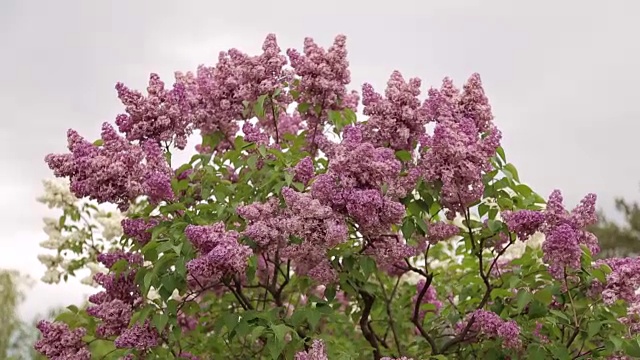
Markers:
point(619, 239)
point(313, 234)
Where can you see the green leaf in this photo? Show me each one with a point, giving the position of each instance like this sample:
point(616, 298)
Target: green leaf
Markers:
point(368, 266)
point(500, 152)
point(560, 352)
point(403, 155)
point(545, 296)
point(280, 331)
point(258, 107)
point(422, 225)
point(594, 328)
point(494, 225)
point(350, 116)
point(303, 108)
point(160, 321)
point(536, 352)
point(524, 298)
point(511, 172)
point(256, 332)
point(632, 348)
point(313, 317)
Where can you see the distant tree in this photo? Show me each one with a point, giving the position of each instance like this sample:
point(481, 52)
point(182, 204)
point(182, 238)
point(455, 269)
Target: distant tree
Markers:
point(13, 329)
point(619, 239)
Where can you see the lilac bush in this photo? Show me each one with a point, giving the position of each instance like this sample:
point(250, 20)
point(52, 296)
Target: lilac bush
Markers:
point(300, 231)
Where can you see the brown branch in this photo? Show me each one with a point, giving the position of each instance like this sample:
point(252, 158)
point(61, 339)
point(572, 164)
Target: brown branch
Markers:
point(368, 300)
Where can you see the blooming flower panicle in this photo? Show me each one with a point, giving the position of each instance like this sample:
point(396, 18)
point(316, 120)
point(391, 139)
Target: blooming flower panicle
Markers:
point(462, 144)
point(490, 325)
point(355, 188)
point(59, 342)
point(115, 305)
point(160, 116)
point(220, 253)
point(524, 223)
point(114, 172)
point(397, 120)
point(139, 229)
point(316, 352)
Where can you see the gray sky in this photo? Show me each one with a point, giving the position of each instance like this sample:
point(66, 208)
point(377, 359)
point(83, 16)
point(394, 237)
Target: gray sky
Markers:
point(562, 77)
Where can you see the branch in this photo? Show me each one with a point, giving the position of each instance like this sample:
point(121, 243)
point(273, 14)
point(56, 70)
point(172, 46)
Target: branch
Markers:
point(368, 300)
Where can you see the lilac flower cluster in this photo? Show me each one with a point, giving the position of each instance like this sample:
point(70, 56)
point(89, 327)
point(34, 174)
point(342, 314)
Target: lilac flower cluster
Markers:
point(58, 342)
point(490, 325)
point(623, 281)
point(524, 222)
point(439, 231)
point(217, 95)
point(316, 352)
point(220, 253)
point(323, 78)
point(305, 218)
point(462, 144)
point(390, 252)
point(397, 120)
point(304, 170)
point(114, 172)
point(354, 188)
point(139, 229)
point(161, 116)
point(564, 231)
point(115, 305)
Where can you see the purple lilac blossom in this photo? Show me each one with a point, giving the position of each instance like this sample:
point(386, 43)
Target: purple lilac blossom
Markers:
point(396, 120)
point(316, 352)
point(220, 253)
point(462, 144)
point(114, 172)
point(59, 342)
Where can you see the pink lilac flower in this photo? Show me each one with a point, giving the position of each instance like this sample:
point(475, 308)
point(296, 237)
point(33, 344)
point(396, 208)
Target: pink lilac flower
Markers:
point(304, 170)
point(439, 231)
point(622, 282)
point(263, 224)
point(537, 332)
point(160, 116)
point(316, 352)
point(564, 233)
point(319, 228)
point(185, 355)
point(220, 253)
point(429, 297)
point(397, 120)
point(217, 95)
point(139, 229)
point(59, 342)
point(462, 144)
point(355, 188)
point(139, 336)
point(523, 222)
point(390, 253)
point(316, 226)
point(121, 296)
point(114, 172)
point(490, 325)
point(323, 76)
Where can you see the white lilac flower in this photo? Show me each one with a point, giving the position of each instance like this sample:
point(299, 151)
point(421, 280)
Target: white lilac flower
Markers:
point(51, 276)
point(111, 224)
point(57, 193)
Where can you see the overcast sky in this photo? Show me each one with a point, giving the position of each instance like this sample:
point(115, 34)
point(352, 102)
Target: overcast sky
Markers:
point(562, 77)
